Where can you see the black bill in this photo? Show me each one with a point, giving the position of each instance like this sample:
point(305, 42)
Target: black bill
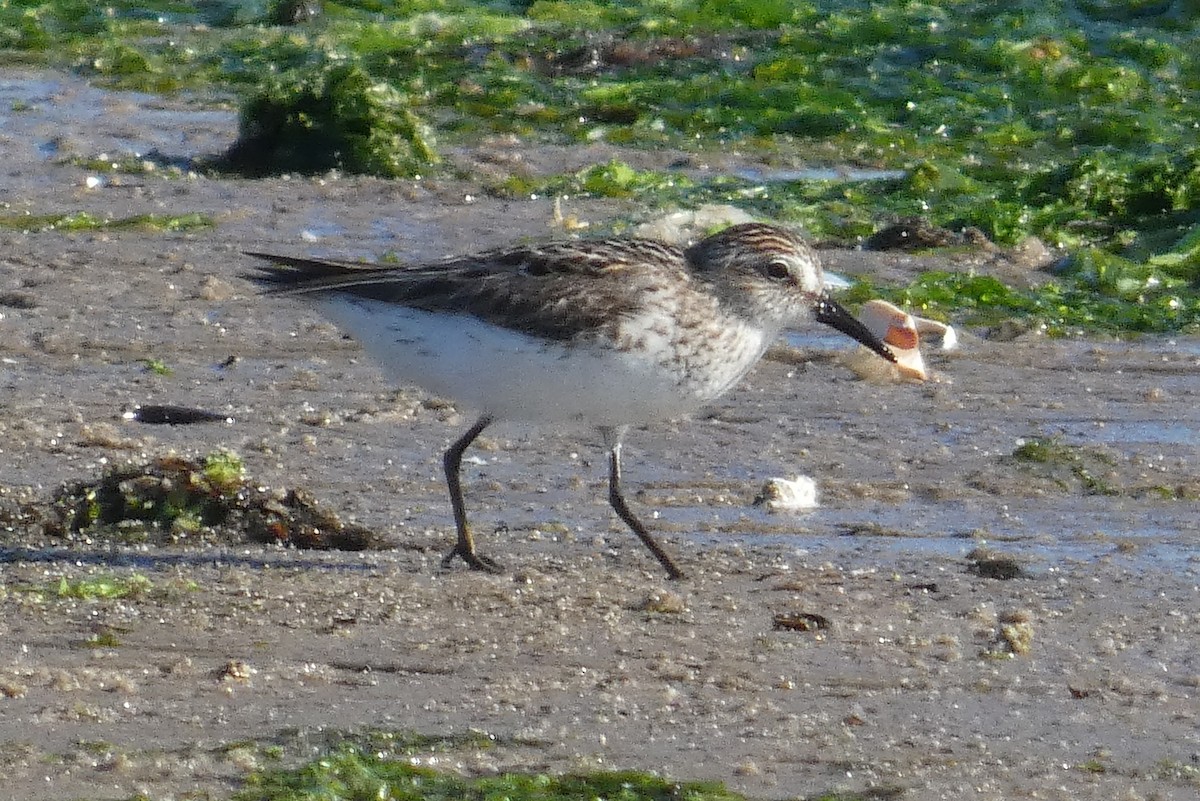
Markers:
point(835, 316)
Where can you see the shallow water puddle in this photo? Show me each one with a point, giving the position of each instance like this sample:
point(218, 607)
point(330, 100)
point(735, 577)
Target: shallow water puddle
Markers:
point(53, 118)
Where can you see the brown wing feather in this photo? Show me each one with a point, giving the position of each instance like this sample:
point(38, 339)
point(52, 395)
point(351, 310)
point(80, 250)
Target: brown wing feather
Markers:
point(553, 291)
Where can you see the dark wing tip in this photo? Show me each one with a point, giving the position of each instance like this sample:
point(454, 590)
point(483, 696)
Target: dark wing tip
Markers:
point(284, 271)
point(278, 259)
point(303, 274)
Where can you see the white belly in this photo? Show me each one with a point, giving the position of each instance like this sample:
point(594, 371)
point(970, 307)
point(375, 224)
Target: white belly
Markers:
point(517, 377)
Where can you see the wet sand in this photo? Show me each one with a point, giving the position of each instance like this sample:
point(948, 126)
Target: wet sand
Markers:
point(1078, 680)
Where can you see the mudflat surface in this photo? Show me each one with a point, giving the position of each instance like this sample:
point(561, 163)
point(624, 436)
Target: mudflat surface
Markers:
point(582, 655)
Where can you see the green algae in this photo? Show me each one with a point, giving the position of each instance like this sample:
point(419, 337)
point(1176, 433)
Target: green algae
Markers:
point(85, 221)
point(1094, 291)
point(1074, 123)
point(338, 118)
point(156, 366)
point(1067, 465)
point(377, 765)
point(224, 471)
point(103, 587)
point(176, 500)
point(350, 773)
point(172, 494)
point(353, 775)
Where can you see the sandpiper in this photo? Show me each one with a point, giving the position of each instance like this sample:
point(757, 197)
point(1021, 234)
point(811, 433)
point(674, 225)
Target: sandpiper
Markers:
point(607, 332)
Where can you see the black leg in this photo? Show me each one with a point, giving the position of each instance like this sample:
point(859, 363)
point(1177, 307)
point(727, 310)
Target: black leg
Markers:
point(452, 462)
point(612, 438)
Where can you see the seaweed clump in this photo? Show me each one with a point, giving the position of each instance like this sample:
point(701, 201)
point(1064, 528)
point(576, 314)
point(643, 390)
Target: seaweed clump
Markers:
point(176, 500)
point(331, 118)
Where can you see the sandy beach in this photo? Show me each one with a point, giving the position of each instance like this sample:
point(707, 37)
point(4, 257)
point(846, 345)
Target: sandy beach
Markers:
point(1077, 679)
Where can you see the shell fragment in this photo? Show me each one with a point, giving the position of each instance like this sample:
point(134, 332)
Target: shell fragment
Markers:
point(788, 495)
point(902, 332)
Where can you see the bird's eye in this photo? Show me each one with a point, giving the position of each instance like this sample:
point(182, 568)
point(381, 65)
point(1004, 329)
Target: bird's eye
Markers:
point(778, 271)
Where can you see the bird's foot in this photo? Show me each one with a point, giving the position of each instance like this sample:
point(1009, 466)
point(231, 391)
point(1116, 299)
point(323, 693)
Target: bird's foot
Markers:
point(473, 560)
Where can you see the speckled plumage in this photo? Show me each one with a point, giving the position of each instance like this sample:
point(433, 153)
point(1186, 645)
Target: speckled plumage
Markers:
point(608, 332)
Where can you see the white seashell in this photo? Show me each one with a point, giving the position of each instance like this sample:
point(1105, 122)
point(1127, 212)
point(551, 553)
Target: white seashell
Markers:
point(902, 332)
point(788, 495)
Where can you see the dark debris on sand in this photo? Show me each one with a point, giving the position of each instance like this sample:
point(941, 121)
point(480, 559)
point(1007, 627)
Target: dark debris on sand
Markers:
point(176, 500)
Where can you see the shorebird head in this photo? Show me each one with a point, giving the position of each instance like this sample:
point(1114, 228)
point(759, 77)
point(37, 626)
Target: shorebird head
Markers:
point(770, 275)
